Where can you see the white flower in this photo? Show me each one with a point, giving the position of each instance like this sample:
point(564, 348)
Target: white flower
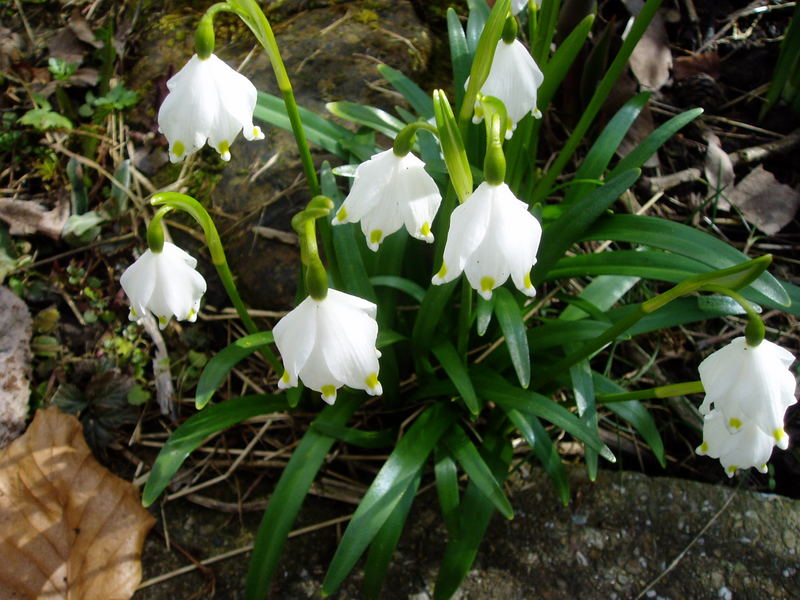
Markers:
point(164, 283)
point(517, 6)
point(750, 385)
point(391, 191)
point(492, 235)
point(514, 78)
point(748, 447)
point(330, 343)
point(207, 100)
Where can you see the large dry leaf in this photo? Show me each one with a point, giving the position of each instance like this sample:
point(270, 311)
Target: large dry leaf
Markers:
point(718, 170)
point(15, 364)
point(25, 217)
point(69, 529)
point(764, 201)
point(651, 59)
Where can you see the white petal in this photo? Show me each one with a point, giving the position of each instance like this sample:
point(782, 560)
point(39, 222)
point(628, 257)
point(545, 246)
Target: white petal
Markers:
point(295, 335)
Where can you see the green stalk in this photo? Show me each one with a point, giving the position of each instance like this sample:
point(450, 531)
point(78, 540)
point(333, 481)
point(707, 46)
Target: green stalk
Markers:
point(193, 208)
point(664, 391)
point(254, 18)
point(598, 99)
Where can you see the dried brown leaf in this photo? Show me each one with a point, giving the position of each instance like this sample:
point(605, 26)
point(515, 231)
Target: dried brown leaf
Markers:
point(694, 64)
point(25, 217)
point(764, 201)
point(651, 59)
point(718, 170)
point(15, 365)
point(69, 529)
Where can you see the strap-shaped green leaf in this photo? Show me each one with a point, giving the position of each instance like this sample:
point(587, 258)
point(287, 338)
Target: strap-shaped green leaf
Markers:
point(477, 470)
point(291, 490)
point(196, 429)
point(448, 357)
point(446, 473)
point(419, 100)
point(357, 437)
point(513, 327)
point(416, 291)
point(217, 369)
point(459, 53)
point(387, 490)
point(368, 116)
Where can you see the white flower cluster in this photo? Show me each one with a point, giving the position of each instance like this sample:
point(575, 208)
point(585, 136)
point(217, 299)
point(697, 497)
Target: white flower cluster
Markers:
point(748, 389)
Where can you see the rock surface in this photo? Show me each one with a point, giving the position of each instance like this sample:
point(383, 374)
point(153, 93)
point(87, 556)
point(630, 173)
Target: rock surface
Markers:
point(625, 536)
point(15, 365)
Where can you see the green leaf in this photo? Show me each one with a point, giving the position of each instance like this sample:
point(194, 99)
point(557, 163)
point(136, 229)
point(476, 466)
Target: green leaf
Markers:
point(455, 155)
point(291, 490)
point(558, 66)
point(387, 490)
point(419, 100)
point(513, 328)
point(416, 291)
point(641, 154)
point(635, 413)
point(446, 474)
point(357, 437)
point(544, 449)
point(220, 365)
point(44, 119)
point(690, 242)
point(196, 429)
point(122, 177)
point(369, 116)
point(602, 151)
point(494, 388)
point(459, 53)
point(82, 229)
point(78, 194)
point(647, 264)
point(382, 547)
point(579, 216)
point(430, 314)
point(483, 314)
point(448, 357)
point(477, 470)
point(583, 389)
point(476, 511)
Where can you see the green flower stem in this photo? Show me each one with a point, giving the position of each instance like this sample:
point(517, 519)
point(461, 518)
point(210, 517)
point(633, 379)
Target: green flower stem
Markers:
point(173, 200)
point(155, 230)
point(494, 164)
point(204, 34)
point(254, 18)
point(405, 139)
point(598, 99)
point(664, 391)
point(755, 331)
point(304, 223)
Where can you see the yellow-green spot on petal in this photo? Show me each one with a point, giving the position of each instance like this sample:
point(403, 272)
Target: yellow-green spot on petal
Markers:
point(224, 148)
point(178, 148)
point(256, 131)
point(735, 423)
point(285, 377)
point(425, 229)
point(341, 215)
point(778, 434)
point(192, 313)
point(526, 281)
point(372, 380)
point(763, 468)
point(442, 272)
point(328, 390)
point(376, 236)
point(487, 284)
point(704, 447)
point(162, 320)
point(133, 313)
point(733, 468)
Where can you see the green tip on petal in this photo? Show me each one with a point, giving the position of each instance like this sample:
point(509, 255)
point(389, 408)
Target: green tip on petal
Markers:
point(133, 313)
point(285, 377)
point(442, 272)
point(735, 423)
point(487, 284)
point(704, 447)
point(341, 215)
point(732, 469)
point(778, 434)
point(178, 148)
point(527, 281)
point(225, 150)
point(162, 321)
point(372, 380)
point(425, 229)
point(376, 236)
point(328, 390)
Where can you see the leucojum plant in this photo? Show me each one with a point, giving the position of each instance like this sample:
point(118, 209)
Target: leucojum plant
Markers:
point(483, 359)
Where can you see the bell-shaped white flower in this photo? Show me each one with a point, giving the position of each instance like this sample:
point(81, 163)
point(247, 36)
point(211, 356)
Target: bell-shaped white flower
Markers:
point(390, 191)
point(748, 447)
point(207, 100)
point(514, 78)
point(492, 235)
point(164, 283)
point(750, 385)
point(329, 343)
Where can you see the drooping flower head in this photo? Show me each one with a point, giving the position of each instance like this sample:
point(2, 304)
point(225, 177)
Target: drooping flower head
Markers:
point(492, 235)
point(748, 389)
point(390, 191)
point(514, 78)
point(329, 343)
point(164, 283)
point(207, 100)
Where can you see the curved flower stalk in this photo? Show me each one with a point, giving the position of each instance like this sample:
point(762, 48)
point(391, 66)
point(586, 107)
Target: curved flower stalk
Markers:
point(748, 389)
point(514, 79)
point(207, 100)
point(329, 343)
point(492, 235)
point(165, 283)
point(390, 191)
